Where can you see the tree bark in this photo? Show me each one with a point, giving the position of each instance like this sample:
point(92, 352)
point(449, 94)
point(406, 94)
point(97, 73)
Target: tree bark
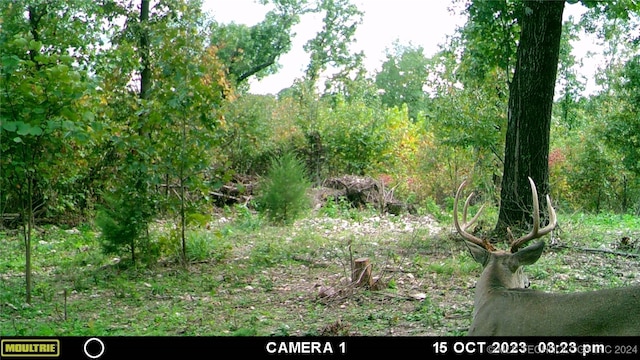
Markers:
point(361, 276)
point(529, 112)
point(145, 75)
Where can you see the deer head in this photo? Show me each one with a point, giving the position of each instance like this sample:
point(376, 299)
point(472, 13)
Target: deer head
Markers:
point(504, 268)
point(503, 305)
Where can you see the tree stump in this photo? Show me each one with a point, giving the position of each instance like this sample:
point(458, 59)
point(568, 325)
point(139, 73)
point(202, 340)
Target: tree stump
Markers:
point(361, 276)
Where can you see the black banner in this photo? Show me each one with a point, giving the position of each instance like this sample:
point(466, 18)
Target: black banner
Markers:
point(106, 347)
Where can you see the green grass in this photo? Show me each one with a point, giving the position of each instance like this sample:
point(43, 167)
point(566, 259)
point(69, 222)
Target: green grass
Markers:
point(592, 229)
point(246, 278)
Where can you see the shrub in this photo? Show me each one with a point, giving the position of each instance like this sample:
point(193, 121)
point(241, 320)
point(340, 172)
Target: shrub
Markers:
point(123, 220)
point(353, 136)
point(282, 194)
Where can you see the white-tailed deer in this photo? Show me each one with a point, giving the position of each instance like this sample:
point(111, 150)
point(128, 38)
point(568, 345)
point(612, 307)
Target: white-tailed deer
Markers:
point(504, 306)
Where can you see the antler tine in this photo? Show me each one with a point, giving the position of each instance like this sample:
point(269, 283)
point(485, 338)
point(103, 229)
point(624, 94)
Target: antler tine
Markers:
point(536, 232)
point(462, 228)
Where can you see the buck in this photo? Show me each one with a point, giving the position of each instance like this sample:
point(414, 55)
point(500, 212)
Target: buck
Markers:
point(505, 306)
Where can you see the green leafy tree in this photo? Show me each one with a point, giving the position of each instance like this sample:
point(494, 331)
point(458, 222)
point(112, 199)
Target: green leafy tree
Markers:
point(614, 24)
point(191, 92)
point(254, 50)
point(135, 151)
point(622, 129)
point(403, 77)
point(538, 27)
point(570, 84)
point(489, 40)
point(623, 126)
point(592, 168)
point(330, 46)
point(615, 106)
point(534, 29)
point(466, 119)
point(42, 104)
point(164, 137)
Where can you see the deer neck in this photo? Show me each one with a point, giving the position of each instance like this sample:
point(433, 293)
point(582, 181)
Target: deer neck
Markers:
point(496, 279)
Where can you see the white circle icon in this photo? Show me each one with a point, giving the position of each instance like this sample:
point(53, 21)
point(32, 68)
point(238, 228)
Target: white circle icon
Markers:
point(86, 352)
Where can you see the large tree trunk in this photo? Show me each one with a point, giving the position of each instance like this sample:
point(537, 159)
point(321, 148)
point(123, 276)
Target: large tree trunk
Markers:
point(529, 113)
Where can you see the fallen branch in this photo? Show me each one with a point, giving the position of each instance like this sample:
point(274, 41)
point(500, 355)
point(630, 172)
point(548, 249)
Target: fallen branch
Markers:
point(606, 251)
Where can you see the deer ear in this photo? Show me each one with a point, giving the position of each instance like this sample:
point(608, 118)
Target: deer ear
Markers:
point(529, 254)
point(479, 254)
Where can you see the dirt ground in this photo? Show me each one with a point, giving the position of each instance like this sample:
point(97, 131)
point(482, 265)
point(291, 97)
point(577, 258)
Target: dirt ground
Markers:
point(427, 283)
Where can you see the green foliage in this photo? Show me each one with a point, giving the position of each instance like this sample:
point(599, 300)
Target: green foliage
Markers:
point(428, 313)
point(330, 46)
point(570, 83)
point(592, 168)
point(489, 39)
point(353, 136)
point(336, 208)
point(43, 90)
point(254, 50)
point(124, 221)
point(623, 125)
point(586, 170)
point(252, 132)
point(433, 209)
point(246, 219)
point(402, 79)
point(45, 104)
point(71, 120)
point(402, 165)
point(283, 191)
point(202, 246)
point(592, 164)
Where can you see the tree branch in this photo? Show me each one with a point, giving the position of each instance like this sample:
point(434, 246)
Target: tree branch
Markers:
point(256, 69)
point(606, 251)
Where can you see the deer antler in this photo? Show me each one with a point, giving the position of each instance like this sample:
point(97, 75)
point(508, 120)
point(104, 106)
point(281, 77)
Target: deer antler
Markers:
point(462, 229)
point(536, 232)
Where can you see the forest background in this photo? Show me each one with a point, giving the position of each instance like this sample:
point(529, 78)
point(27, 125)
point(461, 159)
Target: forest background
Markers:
point(120, 113)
